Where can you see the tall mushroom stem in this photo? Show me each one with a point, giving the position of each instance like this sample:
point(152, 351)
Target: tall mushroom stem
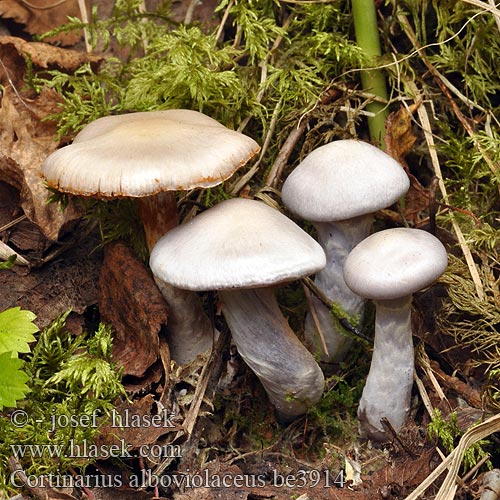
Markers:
point(189, 330)
point(337, 239)
point(290, 375)
point(387, 392)
point(158, 215)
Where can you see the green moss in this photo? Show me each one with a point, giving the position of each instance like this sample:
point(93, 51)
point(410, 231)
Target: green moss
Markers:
point(68, 377)
point(448, 434)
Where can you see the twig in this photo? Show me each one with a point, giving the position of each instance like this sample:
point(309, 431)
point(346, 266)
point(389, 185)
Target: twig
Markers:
point(328, 303)
point(222, 23)
point(285, 151)
point(475, 468)
point(423, 394)
point(493, 166)
point(12, 223)
point(497, 16)
point(188, 18)
point(425, 364)
point(465, 391)
point(490, 8)
point(274, 176)
point(242, 181)
point(315, 320)
point(11, 83)
point(385, 422)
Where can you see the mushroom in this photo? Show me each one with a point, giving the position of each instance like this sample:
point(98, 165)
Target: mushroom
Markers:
point(149, 156)
point(388, 267)
point(338, 187)
point(243, 247)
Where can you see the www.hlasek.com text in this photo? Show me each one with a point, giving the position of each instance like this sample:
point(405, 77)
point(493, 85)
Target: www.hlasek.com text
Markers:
point(91, 450)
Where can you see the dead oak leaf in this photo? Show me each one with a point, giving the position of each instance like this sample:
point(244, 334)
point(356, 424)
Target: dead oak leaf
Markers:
point(26, 138)
point(46, 56)
point(399, 140)
point(130, 301)
point(41, 16)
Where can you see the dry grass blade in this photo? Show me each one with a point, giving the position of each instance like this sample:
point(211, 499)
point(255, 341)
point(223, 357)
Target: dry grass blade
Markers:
point(427, 130)
point(453, 461)
point(82, 5)
point(497, 16)
point(489, 7)
point(6, 252)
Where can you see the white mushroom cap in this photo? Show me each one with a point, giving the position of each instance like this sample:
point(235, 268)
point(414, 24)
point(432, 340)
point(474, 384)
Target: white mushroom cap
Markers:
point(394, 263)
point(141, 154)
point(239, 243)
point(342, 180)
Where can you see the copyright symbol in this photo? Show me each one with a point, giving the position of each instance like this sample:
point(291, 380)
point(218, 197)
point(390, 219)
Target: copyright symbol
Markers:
point(19, 418)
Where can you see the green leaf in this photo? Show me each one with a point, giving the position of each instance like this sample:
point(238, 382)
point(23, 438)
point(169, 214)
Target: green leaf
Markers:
point(16, 329)
point(12, 380)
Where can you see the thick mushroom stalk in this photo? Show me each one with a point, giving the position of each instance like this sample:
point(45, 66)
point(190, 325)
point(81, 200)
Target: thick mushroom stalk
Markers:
point(387, 392)
point(337, 239)
point(189, 329)
point(287, 370)
point(158, 214)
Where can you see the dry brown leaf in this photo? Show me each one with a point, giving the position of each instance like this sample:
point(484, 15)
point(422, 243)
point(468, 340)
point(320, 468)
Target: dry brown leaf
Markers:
point(130, 300)
point(399, 141)
point(41, 16)
point(399, 138)
point(61, 284)
point(25, 139)
point(46, 56)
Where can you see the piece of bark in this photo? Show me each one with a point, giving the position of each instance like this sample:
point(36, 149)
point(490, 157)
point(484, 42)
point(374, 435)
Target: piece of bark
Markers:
point(130, 300)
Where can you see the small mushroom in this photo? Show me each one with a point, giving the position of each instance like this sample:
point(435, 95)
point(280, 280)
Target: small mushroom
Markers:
point(388, 267)
point(338, 187)
point(149, 156)
point(242, 248)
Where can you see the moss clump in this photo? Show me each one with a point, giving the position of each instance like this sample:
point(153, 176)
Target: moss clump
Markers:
point(69, 377)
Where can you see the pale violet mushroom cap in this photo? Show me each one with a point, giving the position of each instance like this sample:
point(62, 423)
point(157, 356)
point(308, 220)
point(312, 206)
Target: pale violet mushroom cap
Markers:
point(239, 243)
point(144, 153)
point(342, 180)
point(394, 263)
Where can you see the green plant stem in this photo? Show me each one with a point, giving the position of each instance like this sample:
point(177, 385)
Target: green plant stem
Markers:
point(373, 80)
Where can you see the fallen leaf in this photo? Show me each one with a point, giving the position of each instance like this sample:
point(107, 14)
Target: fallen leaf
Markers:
point(41, 16)
point(26, 137)
point(59, 285)
point(399, 140)
point(130, 300)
